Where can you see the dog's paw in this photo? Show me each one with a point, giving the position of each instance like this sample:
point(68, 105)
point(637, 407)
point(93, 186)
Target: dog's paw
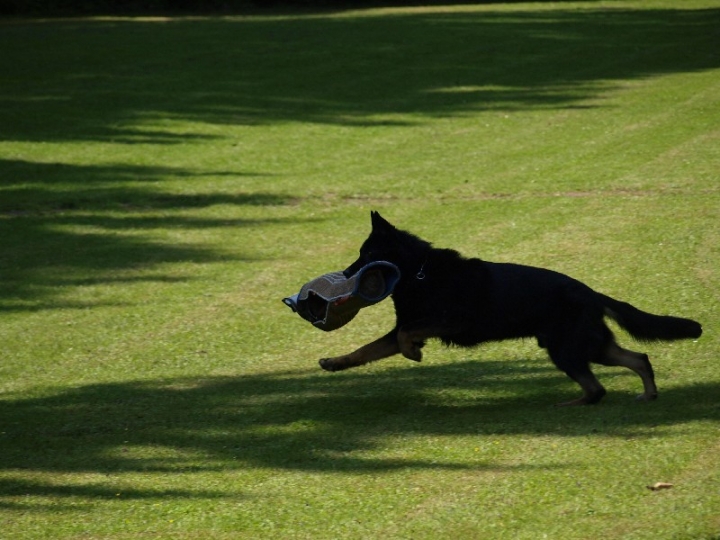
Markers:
point(408, 348)
point(412, 353)
point(332, 364)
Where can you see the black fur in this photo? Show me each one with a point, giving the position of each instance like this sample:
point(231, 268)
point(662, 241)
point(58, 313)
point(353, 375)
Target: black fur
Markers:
point(467, 301)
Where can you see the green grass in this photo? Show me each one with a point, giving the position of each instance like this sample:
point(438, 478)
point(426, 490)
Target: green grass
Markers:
point(165, 182)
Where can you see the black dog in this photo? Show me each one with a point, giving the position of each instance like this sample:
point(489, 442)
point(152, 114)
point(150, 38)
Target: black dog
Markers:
point(469, 301)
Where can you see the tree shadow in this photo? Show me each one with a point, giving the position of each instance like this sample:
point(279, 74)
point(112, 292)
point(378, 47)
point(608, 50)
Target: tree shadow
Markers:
point(63, 225)
point(352, 69)
point(31, 187)
point(310, 420)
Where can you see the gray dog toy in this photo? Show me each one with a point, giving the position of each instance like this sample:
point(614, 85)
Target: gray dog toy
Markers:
point(332, 300)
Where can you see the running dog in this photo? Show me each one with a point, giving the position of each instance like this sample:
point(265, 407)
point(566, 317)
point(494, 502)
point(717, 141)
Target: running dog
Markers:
point(468, 301)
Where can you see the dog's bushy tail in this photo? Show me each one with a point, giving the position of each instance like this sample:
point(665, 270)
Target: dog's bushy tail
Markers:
point(647, 326)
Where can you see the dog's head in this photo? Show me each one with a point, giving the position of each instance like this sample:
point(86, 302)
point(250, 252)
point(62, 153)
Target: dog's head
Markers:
point(383, 244)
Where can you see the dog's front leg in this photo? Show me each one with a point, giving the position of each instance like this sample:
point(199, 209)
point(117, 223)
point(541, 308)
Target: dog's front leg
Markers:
point(412, 336)
point(377, 350)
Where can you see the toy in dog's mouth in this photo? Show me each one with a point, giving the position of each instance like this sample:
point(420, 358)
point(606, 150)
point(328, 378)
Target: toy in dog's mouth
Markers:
point(332, 300)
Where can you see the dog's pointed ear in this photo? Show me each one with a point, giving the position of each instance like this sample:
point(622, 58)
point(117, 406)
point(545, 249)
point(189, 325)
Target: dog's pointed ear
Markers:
point(379, 223)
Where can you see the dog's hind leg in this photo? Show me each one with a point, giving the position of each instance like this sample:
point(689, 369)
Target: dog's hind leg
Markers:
point(572, 359)
point(615, 355)
point(593, 391)
point(377, 350)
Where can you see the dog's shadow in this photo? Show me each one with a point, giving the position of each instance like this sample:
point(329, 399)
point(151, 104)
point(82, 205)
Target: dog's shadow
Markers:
point(311, 420)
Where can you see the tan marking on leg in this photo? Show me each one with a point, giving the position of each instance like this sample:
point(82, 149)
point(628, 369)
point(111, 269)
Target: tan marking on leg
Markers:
point(615, 355)
point(377, 350)
point(593, 391)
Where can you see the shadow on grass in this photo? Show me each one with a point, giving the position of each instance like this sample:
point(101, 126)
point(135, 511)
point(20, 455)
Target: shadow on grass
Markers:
point(64, 225)
point(353, 69)
point(45, 187)
point(311, 421)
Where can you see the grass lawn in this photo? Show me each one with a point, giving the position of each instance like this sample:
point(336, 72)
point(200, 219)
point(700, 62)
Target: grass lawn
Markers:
point(164, 182)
